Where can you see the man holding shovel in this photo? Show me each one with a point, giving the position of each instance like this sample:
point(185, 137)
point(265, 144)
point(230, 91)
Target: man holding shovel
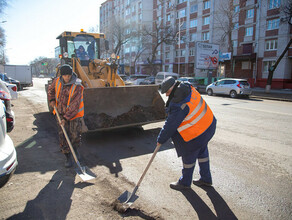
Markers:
point(67, 95)
point(191, 125)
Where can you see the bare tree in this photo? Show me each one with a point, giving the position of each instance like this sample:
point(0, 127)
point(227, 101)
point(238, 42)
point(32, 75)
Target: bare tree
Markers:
point(43, 65)
point(225, 22)
point(158, 35)
point(119, 33)
point(3, 58)
point(288, 18)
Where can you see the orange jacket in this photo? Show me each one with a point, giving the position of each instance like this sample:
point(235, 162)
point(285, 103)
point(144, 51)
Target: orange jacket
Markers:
point(72, 89)
point(199, 118)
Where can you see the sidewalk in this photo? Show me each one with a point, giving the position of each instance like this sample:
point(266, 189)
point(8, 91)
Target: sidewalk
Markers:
point(275, 94)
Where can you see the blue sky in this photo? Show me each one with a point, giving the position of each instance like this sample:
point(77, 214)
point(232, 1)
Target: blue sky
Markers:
point(33, 25)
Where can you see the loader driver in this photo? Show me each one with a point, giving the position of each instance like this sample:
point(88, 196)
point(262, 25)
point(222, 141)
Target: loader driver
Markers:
point(67, 95)
point(81, 53)
point(191, 125)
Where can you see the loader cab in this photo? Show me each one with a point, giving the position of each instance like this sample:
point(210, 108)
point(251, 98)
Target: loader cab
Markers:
point(82, 45)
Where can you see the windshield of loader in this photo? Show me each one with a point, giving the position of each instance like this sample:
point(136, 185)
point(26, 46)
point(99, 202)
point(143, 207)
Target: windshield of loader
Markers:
point(84, 47)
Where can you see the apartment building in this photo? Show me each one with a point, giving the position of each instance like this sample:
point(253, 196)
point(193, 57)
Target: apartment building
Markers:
point(251, 35)
point(119, 20)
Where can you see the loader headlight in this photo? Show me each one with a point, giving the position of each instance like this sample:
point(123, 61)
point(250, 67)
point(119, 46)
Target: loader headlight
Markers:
point(113, 56)
point(65, 54)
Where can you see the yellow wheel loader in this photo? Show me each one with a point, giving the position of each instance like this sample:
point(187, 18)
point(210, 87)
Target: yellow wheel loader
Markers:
point(108, 103)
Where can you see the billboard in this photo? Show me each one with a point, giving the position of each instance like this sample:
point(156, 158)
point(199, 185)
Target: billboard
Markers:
point(207, 55)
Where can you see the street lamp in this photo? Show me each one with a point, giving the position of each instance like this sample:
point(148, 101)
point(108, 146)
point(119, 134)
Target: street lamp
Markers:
point(179, 26)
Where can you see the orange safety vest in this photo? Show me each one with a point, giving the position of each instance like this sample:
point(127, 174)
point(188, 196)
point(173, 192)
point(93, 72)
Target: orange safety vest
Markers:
point(199, 118)
point(72, 90)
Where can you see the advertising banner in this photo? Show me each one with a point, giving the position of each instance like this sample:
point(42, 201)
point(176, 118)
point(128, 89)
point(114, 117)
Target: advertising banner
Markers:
point(207, 55)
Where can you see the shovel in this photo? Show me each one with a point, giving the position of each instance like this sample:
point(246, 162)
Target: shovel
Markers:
point(127, 198)
point(83, 172)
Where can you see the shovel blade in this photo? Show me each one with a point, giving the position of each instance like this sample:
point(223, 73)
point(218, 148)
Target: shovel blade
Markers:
point(128, 198)
point(85, 173)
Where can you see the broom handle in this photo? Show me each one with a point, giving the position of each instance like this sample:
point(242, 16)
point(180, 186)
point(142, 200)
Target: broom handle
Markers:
point(66, 136)
point(148, 165)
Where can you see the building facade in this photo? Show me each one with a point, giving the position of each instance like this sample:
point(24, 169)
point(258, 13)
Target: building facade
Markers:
point(251, 35)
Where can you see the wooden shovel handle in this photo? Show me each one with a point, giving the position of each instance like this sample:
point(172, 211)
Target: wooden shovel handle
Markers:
point(66, 136)
point(148, 165)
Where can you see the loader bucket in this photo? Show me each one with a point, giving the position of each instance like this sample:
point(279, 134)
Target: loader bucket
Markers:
point(109, 108)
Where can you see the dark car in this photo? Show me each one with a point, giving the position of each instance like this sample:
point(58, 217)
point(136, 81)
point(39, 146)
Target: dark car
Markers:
point(6, 97)
point(190, 80)
point(149, 80)
point(15, 82)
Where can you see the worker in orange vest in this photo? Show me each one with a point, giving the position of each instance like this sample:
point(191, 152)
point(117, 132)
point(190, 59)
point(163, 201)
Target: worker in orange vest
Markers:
point(191, 125)
point(66, 93)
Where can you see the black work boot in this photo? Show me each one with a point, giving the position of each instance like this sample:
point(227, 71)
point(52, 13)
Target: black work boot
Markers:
point(68, 162)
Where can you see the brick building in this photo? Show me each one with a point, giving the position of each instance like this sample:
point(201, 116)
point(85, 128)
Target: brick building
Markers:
point(252, 33)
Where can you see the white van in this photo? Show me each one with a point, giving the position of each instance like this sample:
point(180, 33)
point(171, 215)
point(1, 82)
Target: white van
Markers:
point(160, 76)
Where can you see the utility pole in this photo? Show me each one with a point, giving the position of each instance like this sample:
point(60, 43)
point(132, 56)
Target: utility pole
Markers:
point(179, 26)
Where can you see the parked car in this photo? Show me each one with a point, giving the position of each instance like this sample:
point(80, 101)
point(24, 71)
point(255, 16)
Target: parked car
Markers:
point(231, 87)
point(148, 81)
point(137, 78)
point(4, 78)
point(15, 82)
point(12, 89)
point(160, 76)
point(190, 80)
point(8, 157)
point(6, 97)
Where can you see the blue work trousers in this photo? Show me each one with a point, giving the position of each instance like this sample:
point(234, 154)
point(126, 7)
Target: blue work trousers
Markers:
point(189, 162)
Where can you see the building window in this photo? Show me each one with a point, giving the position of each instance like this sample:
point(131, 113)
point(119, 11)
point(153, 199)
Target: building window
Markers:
point(180, 53)
point(166, 68)
point(192, 51)
point(205, 36)
point(272, 45)
point(246, 65)
point(193, 37)
point(140, 5)
point(236, 8)
point(234, 43)
point(181, 13)
point(168, 17)
point(128, 11)
point(159, 19)
point(250, 13)
point(273, 24)
point(193, 23)
point(206, 20)
point(249, 31)
point(194, 8)
point(268, 64)
point(274, 4)
point(235, 26)
point(181, 1)
point(166, 55)
point(206, 4)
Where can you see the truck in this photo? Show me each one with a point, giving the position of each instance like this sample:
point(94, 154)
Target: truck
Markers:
point(108, 102)
point(22, 73)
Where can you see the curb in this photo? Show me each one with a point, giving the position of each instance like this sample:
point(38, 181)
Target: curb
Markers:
point(271, 98)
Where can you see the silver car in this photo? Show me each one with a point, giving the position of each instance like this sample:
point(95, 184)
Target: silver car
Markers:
point(231, 87)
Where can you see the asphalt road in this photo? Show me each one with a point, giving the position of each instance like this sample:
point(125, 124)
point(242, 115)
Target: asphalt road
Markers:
point(250, 162)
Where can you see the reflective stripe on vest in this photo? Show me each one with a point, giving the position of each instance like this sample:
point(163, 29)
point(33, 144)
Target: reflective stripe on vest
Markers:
point(199, 118)
point(59, 87)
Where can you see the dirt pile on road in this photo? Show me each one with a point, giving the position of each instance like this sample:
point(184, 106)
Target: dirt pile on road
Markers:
point(137, 114)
